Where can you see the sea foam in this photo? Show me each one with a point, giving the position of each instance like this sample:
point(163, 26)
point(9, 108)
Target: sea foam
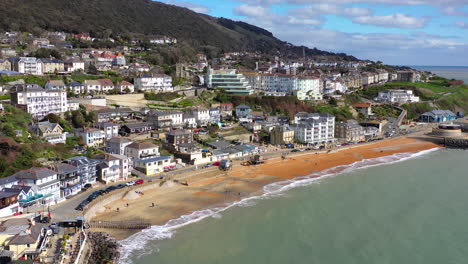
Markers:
point(135, 246)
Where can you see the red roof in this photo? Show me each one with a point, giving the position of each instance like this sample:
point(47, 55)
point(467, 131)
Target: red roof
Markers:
point(125, 83)
point(106, 82)
point(362, 105)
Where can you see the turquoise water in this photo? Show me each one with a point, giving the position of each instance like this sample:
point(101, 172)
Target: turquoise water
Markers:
point(458, 73)
point(413, 211)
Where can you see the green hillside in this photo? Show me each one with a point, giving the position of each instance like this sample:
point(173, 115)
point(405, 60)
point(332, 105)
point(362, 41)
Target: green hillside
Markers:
point(130, 18)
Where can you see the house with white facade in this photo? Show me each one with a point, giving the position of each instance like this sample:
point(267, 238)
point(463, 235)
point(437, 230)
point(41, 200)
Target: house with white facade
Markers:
point(397, 97)
point(113, 167)
point(92, 137)
point(75, 87)
point(110, 129)
point(165, 119)
point(201, 115)
point(314, 128)
point(27, 65)
point(153, 83)
point(92, 86)
point(87, 168)
point(45, 180)
point(125, 87)
point(38, 101)
point(74, 66)
point(141, 150)
point(117, 145)
point(106, 85)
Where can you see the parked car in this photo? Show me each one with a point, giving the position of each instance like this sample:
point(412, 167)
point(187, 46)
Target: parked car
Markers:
point(217, 163)
point(54, 227)
point(130, 183)
point(295, 150)
point(86, 187)
point(140, 181)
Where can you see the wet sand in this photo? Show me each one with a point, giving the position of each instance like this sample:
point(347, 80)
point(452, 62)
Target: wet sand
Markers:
point(215, 187)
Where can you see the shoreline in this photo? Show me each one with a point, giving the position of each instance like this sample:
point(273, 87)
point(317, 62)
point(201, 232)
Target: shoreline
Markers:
point(214, 191)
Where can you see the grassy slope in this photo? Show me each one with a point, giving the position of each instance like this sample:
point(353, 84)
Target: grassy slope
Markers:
point(435, 94)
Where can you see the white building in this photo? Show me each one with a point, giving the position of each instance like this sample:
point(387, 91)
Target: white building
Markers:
point(73, 105)
point(280, 83)
point(229, 80)
point(117, 145)
point(124, 87)
point(37, 101)
point(113, 167)
point(153, 83)
point(92, 137)
point(397, 96)
point(163, 119)
point(201, 115)
point(92, 86)
point(76, 87)
point(74, 66)
point(308, 88)
point(141, 150)
point(314, 128)
point(27, 65)
point(45, 180)
point(110, 129)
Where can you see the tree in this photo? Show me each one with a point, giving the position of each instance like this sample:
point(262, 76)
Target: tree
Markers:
point(78, 120)
point(53, 118)
point(91, 117)
point(92, 69)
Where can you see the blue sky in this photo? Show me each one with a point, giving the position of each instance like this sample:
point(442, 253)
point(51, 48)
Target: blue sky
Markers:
point(399, 32)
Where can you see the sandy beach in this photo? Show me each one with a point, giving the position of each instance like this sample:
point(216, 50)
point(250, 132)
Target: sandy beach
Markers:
point(214, 187)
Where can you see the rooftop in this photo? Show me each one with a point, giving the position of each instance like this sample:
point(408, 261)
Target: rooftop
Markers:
point(153, 159)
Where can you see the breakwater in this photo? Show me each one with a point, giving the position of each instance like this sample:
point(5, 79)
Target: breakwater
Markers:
point(459, 143)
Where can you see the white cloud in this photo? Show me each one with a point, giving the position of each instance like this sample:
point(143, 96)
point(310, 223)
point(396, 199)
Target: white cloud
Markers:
point(251, 10)
point(393, 21)
point(461, 24)
point(324, 9)
point(192, 6)
point(305, 21)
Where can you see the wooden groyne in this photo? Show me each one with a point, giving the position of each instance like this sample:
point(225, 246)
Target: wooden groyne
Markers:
point(120, 224)
point(459, 143)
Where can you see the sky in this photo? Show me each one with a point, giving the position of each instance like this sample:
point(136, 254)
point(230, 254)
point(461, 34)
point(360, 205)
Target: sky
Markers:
point(397, 32)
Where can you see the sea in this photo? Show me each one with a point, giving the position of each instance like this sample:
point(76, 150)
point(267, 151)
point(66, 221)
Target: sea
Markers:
point(404, 208)
point(449, 72)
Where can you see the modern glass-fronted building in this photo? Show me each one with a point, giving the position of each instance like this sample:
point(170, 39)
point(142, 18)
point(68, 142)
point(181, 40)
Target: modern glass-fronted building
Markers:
point(230, 80)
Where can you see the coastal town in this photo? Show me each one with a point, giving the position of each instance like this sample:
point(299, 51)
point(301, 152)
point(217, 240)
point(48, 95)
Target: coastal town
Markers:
point(85, 119)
